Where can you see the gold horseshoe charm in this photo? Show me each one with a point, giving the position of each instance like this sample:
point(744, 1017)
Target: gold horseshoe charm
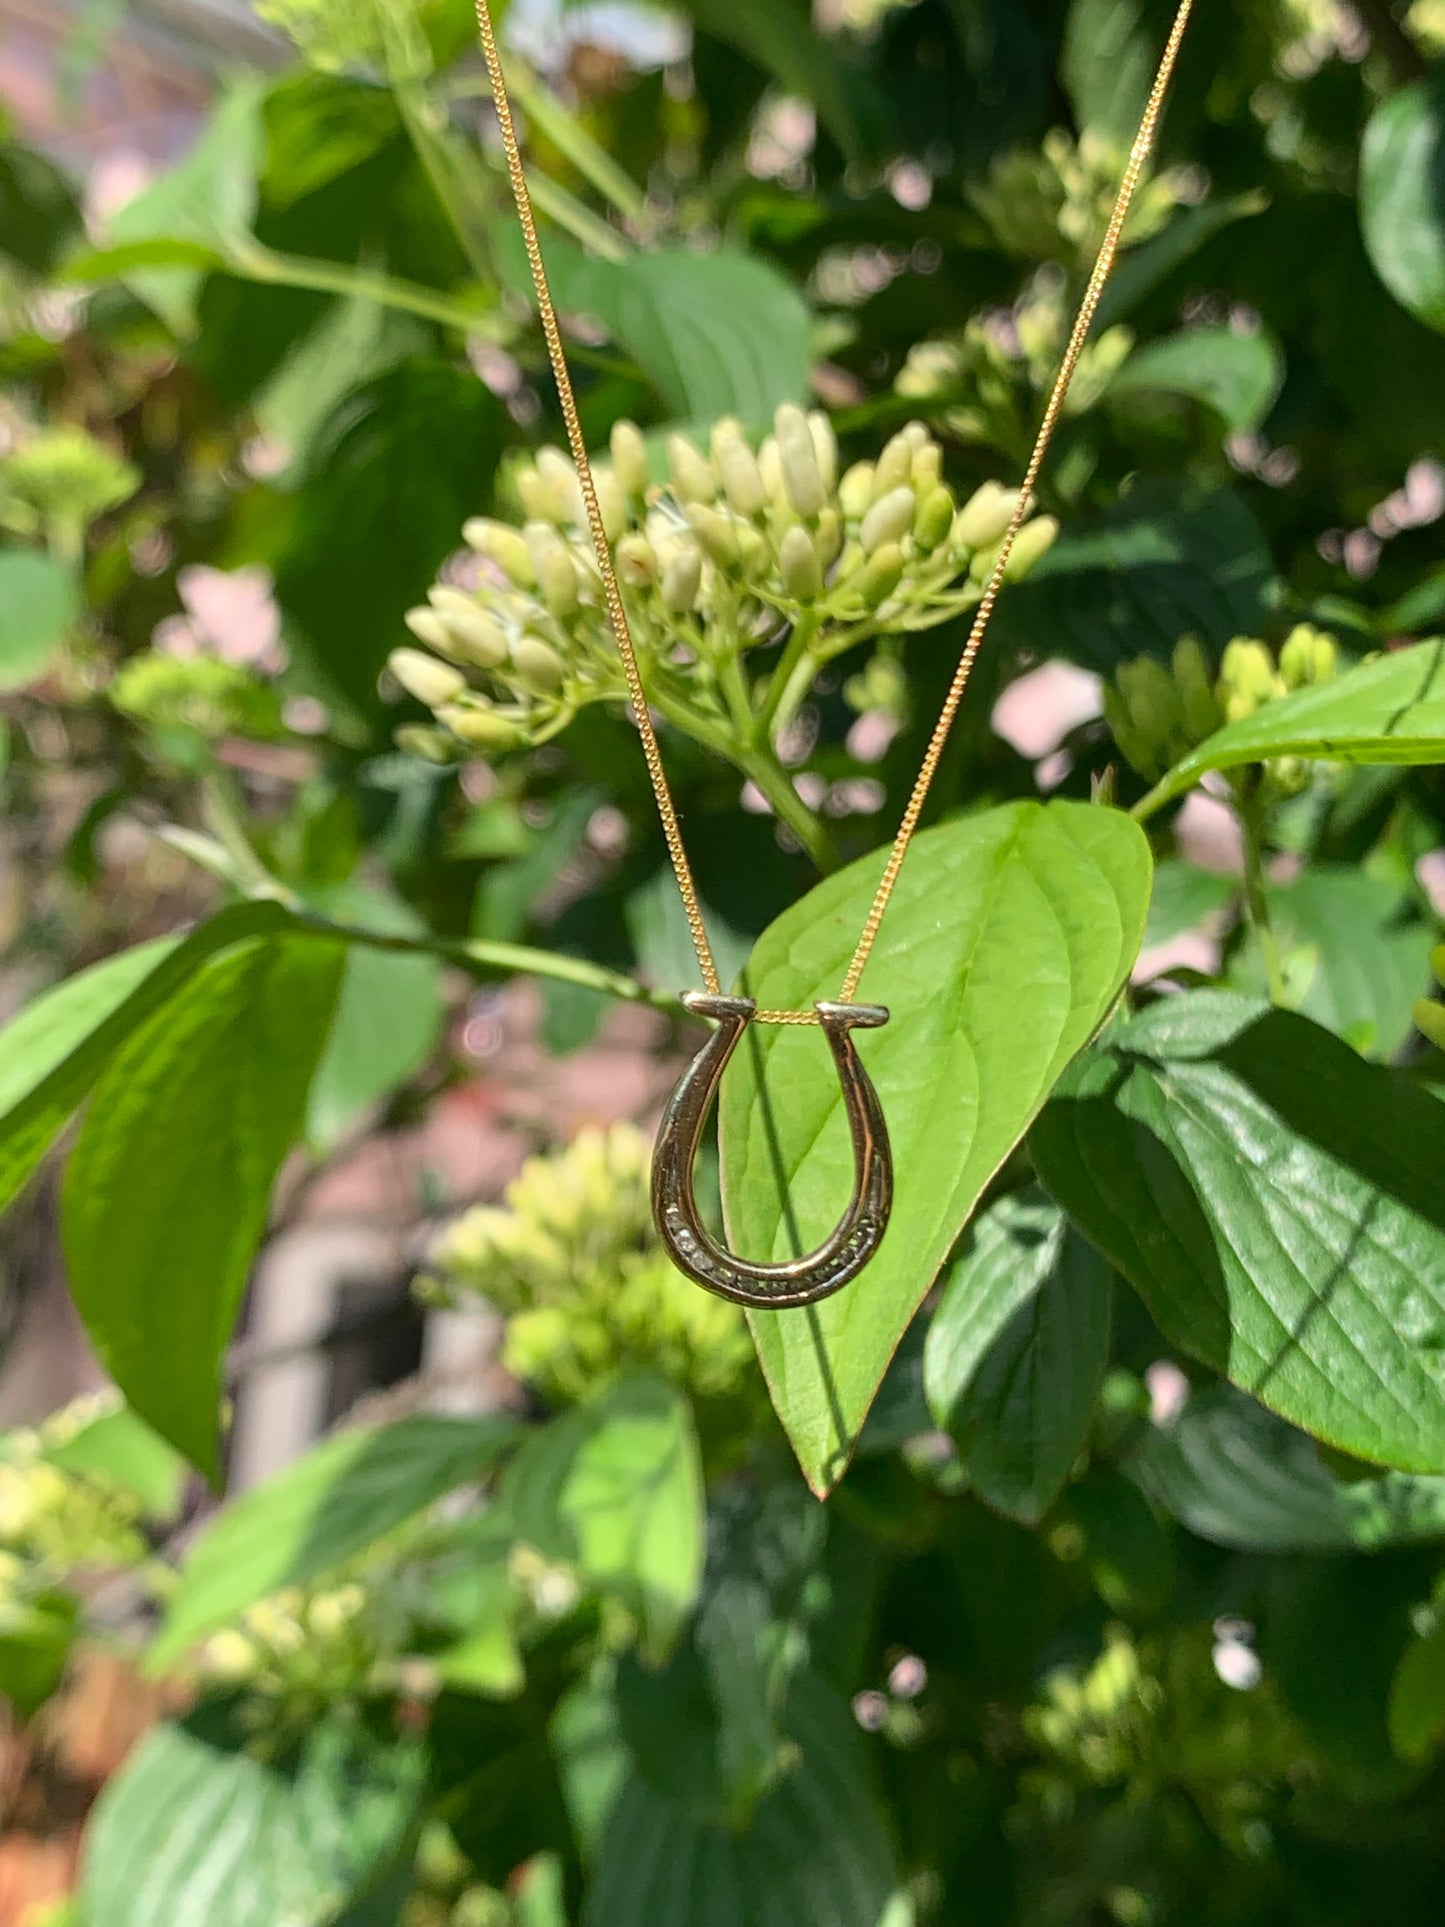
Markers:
point(799, 1281)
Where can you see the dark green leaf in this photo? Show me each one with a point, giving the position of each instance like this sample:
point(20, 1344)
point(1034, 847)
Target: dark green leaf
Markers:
point(1016, 1353)
point(780, 37)
point(331, 1505)
point(1417, 1698)
point(1237, 375)
point(1008, 938)
point(39, 212)
point(1276, 1200)
point(1238, 1476)
point(36, 1634)
point(1182, 898)
point(815, 1854)
point(1402, 197)
point(170, 1182)
point(39, 600)
point(614, 1487)
point(1390, 710)
point(201, 1830)
point(52, 1053)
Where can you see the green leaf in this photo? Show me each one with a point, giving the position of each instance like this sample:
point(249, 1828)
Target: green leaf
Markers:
point(398, 467)
point(1417, 1698)
point(1182, 898)
point(780, 37)
point(1237, 375)
point(39, 600)
point(1391, 710)
point(1402, 197)
point(201, 1829)
point(1147, 265)
point(53, 1051)
point(1107, 64)
point(1239, 1477)
point(353, 341)
point(1016, 1353)
point(39, 211)
point(387, 1016)
point(117, 1449)
point(208, 201)
point(1276, 1201)
point(36, 1635)
point(317, 1514)
point(815, 1855)
point(169, 1185)
point(614, 1487)
point(1159, 565)
point(1009, 936)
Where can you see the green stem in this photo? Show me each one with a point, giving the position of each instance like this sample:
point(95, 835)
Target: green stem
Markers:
point(461, 199)
point(572, 140)
point(253, 261)
point(761, 767)
point(575, 218)
point(1256, 902)
point(226, 821)
point(790, 681)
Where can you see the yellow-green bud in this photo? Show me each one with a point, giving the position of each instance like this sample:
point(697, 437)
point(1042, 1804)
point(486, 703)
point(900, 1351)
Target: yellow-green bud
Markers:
point(636, 560)
point(537, 665)
point(742, 479)
point(803, 482)
point(889, 519)
point(1247, 678)
point(629, 459)
point(1307, 656)
point(415, 739)
point(692, 477)
point(558, 579)
point(422, 676)
point(895, 464)
point(829, 536)
point(473, 635)
point(540, 501)
point(427, 626)
point(1153, 698)
point(730, 543)
point(611, 502)
point(1132, 743)
point(1202, 711)
point(1437, 964)
point(881, 575)
point(825, 446)
point(682, 578)
point(1033, 540)
point(1430, 1020)
point(799, 566)
point(985, 516)
point(855, 491)
point(481, 726)
point(502, 545)
point(927, 467)
point(934, 519)
point(559, 472)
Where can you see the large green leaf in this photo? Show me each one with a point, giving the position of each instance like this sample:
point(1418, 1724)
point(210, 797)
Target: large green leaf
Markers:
point(1237, 375)
point(1402, 197)
point(1277, 1202)
point(1016, 1353)
point(1238, 1476)
point(39, 599)
point(614, 1488)
point(39, 212)
point(815, 1854)
point(1157, 566)
point(310, 1518)
point(170, 1182)
point(53, 1051)
point(202, 1828)
point(1009, 936)
point(120, 1451)
point(386, 1020)
point(1390, 710)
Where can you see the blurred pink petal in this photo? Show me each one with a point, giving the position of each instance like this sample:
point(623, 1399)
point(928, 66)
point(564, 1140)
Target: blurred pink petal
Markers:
point(235, 612)
point(1036, 713)
point(1430, 871)
point(1190, 950)
point(1209, 836)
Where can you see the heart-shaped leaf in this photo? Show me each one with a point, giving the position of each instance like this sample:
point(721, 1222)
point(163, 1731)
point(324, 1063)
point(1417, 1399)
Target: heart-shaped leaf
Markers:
point(1391, 710)
point(1276, 1201)
point(1238, 376)
point(1009, 936)
point(1238, 1476)
point(1016, 1352)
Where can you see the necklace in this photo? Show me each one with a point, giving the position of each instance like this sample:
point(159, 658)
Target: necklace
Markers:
point(691, 1247)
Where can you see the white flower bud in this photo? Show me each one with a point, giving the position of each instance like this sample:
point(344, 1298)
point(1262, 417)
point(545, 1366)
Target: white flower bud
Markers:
point(742, 479)
point(889, 519)
point(985, 515)
point(481, 726)
point(802, 478)
point(611, 501)
point(500, 543)
point(636, 560)
point(472, 634)
point(560, 474)
point(427, 626)
point(770, 467)
point(540, 500)
point(1033, 540)
point(798, 565)
point(422, 676)
point(537, 665)
point(927, 466)
point(829, 536)
point(692, 477)
point(558, 579)
point(825, 446)
point(629, 458)
point(855, 491)
point(894, 466)
point(682, 578)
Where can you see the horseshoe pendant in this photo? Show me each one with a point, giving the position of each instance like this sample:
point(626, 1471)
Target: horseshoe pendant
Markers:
point(799, 1281)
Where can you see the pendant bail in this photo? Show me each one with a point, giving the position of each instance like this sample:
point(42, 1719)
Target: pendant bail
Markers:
point(856, 1237)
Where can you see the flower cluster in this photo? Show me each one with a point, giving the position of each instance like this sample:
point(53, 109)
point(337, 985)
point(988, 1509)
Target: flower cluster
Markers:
point(1158, 715)
point(572, 1260)
point(1095, 1726)
point(1054, 204)
point(732, 550)
point(187, 702)
point(301, 1649)
point(58, 481)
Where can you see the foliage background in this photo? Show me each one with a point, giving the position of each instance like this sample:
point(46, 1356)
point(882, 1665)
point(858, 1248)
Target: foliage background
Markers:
point(1125, 1602)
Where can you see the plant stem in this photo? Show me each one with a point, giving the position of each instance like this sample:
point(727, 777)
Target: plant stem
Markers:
point(571, 139)
point(458, 197)
point(1256, 903)
point(762, 768)
point(790, 681)
point(253, 261)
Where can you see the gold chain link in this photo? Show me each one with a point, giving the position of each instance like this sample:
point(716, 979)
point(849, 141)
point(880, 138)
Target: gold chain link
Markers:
point(617, 614)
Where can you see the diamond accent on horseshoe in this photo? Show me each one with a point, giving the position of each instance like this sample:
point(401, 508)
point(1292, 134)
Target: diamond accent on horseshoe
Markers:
point(842, 1255)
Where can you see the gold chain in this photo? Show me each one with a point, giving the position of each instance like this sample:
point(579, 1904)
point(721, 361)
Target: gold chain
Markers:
point(617, 614)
